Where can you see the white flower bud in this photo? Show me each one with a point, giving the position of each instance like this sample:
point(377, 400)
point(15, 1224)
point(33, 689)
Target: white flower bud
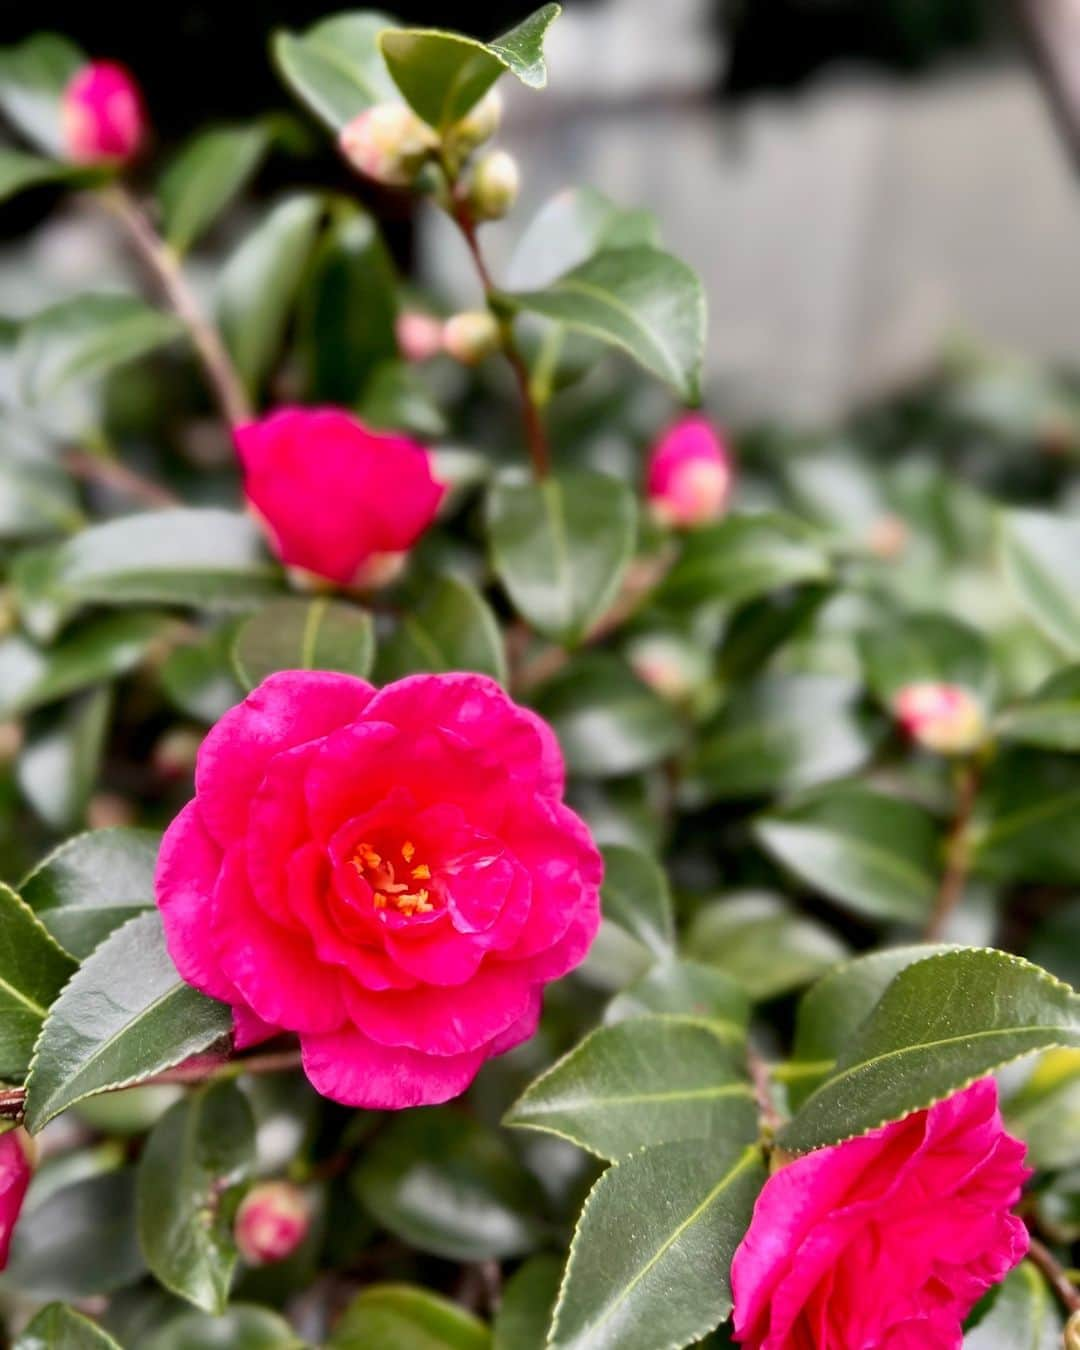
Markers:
point(471, 336)
point(478, 125)
point(494, 186)
point(388, 143)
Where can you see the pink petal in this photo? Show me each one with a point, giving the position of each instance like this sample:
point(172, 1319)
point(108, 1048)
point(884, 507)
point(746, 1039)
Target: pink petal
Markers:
point(185, 879)
point(347, 1067)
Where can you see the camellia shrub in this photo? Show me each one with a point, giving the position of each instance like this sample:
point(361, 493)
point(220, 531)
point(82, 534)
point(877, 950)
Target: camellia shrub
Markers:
point(495, 860)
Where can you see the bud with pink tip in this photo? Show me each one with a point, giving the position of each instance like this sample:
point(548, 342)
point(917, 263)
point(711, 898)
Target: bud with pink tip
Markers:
point(272, 1221)
point(102, 115)
point(419, 335)
point(388, 143)
point(16, 1169)
point(494, 185)
point(471, 336)
point(675, 668)
point(946, 718)
point(690, 474)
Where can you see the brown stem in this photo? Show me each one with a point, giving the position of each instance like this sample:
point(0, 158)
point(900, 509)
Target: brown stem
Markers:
point(165, 265)
point(957, 852)
point(1055, 1273)
point(763, 1094)
point(113, 474)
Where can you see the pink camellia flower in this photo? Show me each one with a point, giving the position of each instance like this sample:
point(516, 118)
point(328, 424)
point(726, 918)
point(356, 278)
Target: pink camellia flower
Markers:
point(887, 1241)
point(102, 115)
point(15, 1173)
point(337, 498)
point(393, 876)
point(690, 474)
point(945, 718)
point(272, 1221)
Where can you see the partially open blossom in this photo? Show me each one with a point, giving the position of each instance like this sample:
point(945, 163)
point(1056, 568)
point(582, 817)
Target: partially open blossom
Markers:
point(272, 1221)
point(946, 718)
point(391, 875)
point(690, 474)
point(102, 115)
point(884, 1242)
point(335, 496)
point(494, 185)
point(471, 336)
point(15, 1173)
point(388, 143)
point(419, 335)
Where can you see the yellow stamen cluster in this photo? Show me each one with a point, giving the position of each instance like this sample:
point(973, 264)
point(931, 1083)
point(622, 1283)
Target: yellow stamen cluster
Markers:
point(385, 887)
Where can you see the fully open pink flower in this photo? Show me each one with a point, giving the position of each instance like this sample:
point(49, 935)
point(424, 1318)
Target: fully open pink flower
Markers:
point(15, 1172)
point(884, 1242)
point(102, 115)
point(391, 875)
point(336, 497)
point(690, 474)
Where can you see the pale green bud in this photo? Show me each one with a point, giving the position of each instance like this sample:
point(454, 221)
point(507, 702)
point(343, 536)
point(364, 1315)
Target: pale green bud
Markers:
point(471, 336)
point(493, 188)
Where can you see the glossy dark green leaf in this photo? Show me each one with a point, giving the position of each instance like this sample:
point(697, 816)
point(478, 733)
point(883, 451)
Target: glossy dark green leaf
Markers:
point(1023, 1316)
point(335, 67)
point(1045, 1113)
point(1027, 821)
point(33, 970)
point(646, 302)
point(642, 1082)
point(33, 77)
point(294, 634)
point(528, 1299)
point(58, 1327)
point(940, 1024)
point(878, 855)
point(397, 398)
point(204, 178)
point(742, 558)
point(442, 75)
point(92, 884)
point(37, 499)
point(200, 1147)
point(664, 1279)
point(636, 896)
point(570, 228)
point(451, 627)
point(918, 647)
point(561, 547)
point(608, 722)
point(123, 1017)
point(687, 988)
point(444, 1184)
point(19, 171)
point(58, 766)
point(1048, 718)
point(240, 1327)
point(1041, 557)
point(259, 285)
point(404, 1317)
point(199, 677)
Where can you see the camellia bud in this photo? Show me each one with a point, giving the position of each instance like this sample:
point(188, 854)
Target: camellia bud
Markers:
point(493, 188)
point(102, 115)
point(672, 667)
point(272, 1221)
point(478, 125)
point(1072, 1332)
point(471, 336)
point(388, 143)
point(690, 474)
point(18, 1153)
point(176, 751)
point(946, 718)
point(419, 335)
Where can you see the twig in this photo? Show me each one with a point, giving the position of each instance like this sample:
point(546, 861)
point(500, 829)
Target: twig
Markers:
point(165, 265)
point(113, 474)
point(957, 852)
point(771, 1119)
point(1056, 1275)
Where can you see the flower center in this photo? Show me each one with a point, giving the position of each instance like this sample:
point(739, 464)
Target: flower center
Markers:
point(397, 883)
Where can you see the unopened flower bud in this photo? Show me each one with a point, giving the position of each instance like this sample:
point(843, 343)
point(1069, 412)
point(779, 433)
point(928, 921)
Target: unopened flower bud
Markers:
point(690, 474)
point(175, 753)
point(102, 115)
point(272, 1221)
point(18, 1154)
point(478, 125)
point(668, 665)
point(946, 718)
point(471, 336)
point(106, 810)
point(888, 537)
point(419, 335)
point(493, 188)
point(11, 741)
point(1072, 1332)
point(388, 143)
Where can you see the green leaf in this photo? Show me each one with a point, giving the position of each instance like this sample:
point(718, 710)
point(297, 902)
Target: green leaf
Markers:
point(1045, 1113)
point(450, 628)
point(664, 1279)
point(1027, 819)
point(205, 177)
point(59, 1327)
point(528, 1299)
point(568, 230)
point(36, 498)
point(1023, 1316)
point(608, 722)
point(941, 1024)
point(124, 1016)
point(635, 895)
point(403, 1317)
point(683, 987)
point(397, 398)
point(348, 310)
point(207, 559)
point(443, 75)
point(877, 854)
point(444, 1184)
point(33, 970)
point(59, 763)
point(1048, 718)
point(561, 547)
point(84, 339)
point(101, 649)
point(197, 1150)
point(19, 171)
point(336, 67)
point(779, 734)
point(758, 941)
point(641, 300)
point(743, 558)
point(920, 647)
point(642, 1082)
point(1041, 556)
point(92, 884)
point(199, 677)
point(294, 634)
point(259, 285)
point(240, 1327)
point(33, 77)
